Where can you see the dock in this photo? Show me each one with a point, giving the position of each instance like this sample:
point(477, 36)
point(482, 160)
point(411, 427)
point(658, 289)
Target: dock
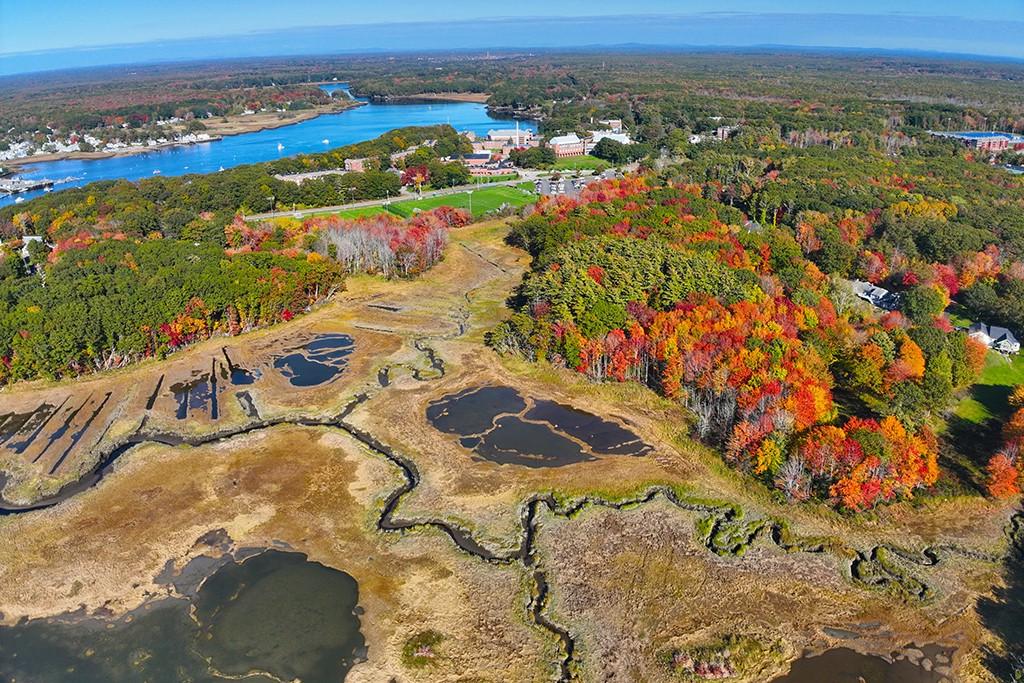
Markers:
point(17, 185)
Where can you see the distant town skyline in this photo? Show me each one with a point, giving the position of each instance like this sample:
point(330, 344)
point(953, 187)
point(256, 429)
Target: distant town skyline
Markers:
point(121, 31)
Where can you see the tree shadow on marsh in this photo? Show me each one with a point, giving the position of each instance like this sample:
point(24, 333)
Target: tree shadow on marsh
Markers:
point(966, 449)
point(1003, 613)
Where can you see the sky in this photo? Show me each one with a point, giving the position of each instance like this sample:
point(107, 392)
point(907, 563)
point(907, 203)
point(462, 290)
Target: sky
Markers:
point(37, 34)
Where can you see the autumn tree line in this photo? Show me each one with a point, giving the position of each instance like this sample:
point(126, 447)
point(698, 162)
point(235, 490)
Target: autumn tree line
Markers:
point(99, 301)
point(649, 280)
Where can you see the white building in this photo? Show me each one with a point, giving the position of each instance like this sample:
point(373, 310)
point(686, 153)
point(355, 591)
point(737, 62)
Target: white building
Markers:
point(598, 135)
point(876, 296)
point(996, 338)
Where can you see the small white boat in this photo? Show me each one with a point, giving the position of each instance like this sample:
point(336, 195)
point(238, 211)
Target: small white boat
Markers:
point(47, 189)
point(326, 141)
point(279, 147)
point(156, 171)
point(221, 168)
point(19, 200)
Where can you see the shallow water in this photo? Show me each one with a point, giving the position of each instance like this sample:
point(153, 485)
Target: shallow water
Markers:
point(843, 665)
point(274, 613)
point(473, 411)
point(603, 436)
point(494, 423)
point(514, 442)
point(196, 394)
point(318, 361)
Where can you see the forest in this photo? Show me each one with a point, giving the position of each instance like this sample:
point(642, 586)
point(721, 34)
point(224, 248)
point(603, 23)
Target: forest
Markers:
point(100, 301)
point(796, 380)
point(722, 274)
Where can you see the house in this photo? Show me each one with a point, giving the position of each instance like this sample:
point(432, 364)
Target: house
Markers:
point(615, 125)
point(876, 296)
point(996, 338)
point(568, 145)
point(725, 132)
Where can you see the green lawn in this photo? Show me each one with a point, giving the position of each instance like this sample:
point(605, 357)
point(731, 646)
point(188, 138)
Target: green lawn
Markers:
point(958, 315)
point(484, 200)
point(481, 180)
point(988, 398)
point(361, 212)
point(581, 163)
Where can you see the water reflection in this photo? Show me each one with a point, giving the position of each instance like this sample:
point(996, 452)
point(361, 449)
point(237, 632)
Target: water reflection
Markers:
point(274, 616)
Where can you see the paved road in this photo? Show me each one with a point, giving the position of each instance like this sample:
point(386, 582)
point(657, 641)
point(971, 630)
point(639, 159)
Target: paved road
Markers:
point(526, 177)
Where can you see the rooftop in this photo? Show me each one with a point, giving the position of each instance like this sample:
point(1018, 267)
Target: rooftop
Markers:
point(978, 135)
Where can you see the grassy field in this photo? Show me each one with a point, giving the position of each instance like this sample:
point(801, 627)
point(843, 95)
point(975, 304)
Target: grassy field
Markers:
point(484, 201)
point(581, 163)
point(988, 398)
point(958, 315)
point(480, 180)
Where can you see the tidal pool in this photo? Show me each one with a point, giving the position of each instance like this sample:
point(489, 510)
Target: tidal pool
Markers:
point(603, 436)
point(472, 411)
point(499, 424)
point(843, 665)
point(317, 361)
point(274, 616)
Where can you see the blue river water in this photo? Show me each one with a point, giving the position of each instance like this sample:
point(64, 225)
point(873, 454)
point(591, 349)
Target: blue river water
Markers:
point(315, 135)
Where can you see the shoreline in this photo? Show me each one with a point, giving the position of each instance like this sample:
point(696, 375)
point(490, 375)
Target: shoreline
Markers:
point(236, 126)
point(475, 97)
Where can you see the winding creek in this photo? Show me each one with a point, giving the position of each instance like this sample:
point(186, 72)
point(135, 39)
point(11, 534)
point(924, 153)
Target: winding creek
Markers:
point(726, 531)
point(722, 529)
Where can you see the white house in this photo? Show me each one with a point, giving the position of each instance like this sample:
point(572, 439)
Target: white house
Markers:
point(996, 338)
point(878, 297)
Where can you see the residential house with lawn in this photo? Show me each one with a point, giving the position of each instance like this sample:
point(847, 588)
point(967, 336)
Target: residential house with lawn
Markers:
point(994, 337)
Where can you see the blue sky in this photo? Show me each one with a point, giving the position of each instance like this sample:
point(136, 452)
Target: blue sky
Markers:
point(992, 27)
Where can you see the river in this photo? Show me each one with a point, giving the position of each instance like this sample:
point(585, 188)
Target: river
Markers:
point(315, 135)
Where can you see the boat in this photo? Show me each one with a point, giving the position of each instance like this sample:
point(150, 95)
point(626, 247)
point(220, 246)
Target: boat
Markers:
point(326, 141)
point(19, 200)
point(221, 168)
point(156, 171)
point(279, 147)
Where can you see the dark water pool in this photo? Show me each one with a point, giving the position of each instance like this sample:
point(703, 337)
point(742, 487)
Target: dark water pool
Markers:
point(514, 442)
point(318, 361)
point(274, 616)
point(603, 436)
point(199, 393)
point(843, 665)
point(499, 424)
point(472, 411)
